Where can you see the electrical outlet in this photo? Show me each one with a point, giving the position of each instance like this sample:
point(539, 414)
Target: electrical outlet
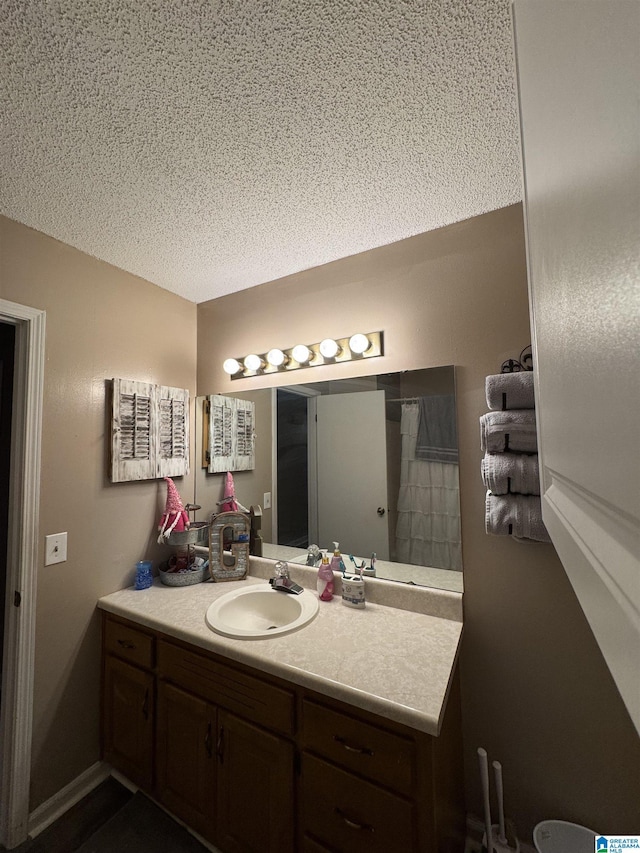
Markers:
point(55, 548)
point(266, 500)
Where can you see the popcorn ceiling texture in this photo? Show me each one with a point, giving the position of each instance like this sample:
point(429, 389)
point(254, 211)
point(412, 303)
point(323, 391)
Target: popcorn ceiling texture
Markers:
point(212, 145)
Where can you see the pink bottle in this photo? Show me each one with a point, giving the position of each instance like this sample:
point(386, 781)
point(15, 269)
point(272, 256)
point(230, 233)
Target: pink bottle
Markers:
point(325, 579)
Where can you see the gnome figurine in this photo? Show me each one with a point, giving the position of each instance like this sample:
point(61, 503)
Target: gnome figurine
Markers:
point(229, 502)
point(175, 517)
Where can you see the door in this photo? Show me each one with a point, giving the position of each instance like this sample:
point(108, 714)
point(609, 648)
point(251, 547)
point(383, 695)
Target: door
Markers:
point(578, 79)
point(22, 549)
point(256, 798)
point(292, 468)
point(352, 473)
point(128, 720)
point(185, 753)
point(7, 343)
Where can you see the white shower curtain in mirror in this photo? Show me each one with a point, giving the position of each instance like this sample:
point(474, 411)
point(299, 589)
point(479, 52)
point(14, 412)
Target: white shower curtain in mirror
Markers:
point(428, 526)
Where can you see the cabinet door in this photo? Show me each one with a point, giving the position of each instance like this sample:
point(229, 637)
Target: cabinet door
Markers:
point(186, 757)
point(256, 799)
point(128, 720)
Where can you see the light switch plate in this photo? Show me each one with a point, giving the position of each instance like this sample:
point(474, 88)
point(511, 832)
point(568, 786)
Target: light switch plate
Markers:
point(266, 500)
point(55, 548)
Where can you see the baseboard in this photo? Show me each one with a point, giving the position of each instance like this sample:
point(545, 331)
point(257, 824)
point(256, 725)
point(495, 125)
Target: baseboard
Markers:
point(126, 783)
point(56, 806)
point(134, 788)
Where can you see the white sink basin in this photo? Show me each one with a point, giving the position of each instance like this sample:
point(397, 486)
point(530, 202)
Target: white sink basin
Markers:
point(259, 612)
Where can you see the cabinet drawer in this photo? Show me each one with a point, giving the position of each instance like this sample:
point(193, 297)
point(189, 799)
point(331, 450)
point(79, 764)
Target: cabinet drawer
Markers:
point(348, 814)
point(129, 643)
point(380, 755)
point(249, 697)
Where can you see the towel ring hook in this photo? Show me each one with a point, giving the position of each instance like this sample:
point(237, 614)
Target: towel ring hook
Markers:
point(523, 362)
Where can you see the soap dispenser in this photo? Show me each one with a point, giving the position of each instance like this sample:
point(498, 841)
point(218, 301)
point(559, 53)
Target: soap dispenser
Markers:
point(336, 561)
point(325, 579)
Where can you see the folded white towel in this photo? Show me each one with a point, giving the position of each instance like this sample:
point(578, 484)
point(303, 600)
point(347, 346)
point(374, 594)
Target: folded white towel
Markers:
point(510, 391)
point(517, 515)
point(505, 473)
point(513, 430)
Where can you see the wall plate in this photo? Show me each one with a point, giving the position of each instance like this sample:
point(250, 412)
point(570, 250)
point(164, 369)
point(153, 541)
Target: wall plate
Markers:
point(55, 548)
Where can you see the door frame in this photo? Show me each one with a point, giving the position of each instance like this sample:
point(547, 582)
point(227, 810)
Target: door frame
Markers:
point(22, 555)
point(312, 394)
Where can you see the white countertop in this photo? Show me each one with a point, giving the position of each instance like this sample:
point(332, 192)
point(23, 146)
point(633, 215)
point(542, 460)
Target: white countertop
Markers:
point(393, 662)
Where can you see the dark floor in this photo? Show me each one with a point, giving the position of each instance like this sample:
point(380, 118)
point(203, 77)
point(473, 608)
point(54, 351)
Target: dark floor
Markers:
point(110, 819)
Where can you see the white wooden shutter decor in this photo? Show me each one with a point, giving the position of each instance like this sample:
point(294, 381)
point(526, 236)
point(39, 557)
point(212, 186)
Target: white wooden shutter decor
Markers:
point(231, 434)
point(173, 431)
point(149, 431)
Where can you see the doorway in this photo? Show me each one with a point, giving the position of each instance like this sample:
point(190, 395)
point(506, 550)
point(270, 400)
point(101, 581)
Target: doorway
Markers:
point(20, 558)
point(7, 346)
point(292, 468)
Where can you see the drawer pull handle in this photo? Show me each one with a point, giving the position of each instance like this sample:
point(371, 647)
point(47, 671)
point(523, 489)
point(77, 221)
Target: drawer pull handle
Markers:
point(361, 750)
point(145, 705)
point(220, 745)
point(207, 741)
point(352, 824)
point(126, 644)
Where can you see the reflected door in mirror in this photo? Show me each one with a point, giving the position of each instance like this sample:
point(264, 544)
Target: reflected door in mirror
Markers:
point(352, 472)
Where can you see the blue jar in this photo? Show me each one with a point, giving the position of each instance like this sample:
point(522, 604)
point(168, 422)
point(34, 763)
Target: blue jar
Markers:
point(144, 578)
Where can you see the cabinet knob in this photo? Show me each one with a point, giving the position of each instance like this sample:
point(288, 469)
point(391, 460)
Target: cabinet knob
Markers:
point(126, 644)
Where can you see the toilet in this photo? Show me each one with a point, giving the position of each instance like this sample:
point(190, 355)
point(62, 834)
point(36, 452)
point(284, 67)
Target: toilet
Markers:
point(559, 836)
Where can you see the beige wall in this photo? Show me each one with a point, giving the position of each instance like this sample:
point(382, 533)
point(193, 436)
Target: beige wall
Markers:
point(536, 692)
point(101, 323)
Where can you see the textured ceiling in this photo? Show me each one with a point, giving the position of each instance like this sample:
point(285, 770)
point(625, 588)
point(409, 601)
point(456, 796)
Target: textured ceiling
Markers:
point(211, 145)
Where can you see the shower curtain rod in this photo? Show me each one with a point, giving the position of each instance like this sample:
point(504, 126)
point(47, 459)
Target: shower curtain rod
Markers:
point(404, 400)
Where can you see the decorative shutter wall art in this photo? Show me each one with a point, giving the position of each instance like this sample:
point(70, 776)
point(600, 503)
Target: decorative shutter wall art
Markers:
point(173, 431)
point(149, 431)
point(231, 434)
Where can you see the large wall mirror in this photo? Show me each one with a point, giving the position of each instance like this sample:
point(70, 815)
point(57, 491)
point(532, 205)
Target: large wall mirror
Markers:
point(369, 462)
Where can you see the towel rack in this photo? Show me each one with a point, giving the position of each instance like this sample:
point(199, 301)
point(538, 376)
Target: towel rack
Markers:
point(523, 362)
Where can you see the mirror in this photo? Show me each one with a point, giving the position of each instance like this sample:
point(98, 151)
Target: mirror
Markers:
point(370, 462)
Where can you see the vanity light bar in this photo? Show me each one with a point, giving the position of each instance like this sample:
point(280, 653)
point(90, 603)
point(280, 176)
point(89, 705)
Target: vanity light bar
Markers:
point(278, 361)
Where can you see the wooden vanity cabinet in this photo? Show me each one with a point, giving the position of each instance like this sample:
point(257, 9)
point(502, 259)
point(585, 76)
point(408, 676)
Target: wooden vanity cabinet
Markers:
point(358, 782)
point(370, 785)
point(257, 765)
point(225, 758)
point(128, 703)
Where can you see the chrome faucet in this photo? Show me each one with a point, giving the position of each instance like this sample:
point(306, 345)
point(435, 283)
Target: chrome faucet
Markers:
point(313, 555)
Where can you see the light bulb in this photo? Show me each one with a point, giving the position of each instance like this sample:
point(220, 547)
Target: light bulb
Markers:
point(329, 348)
point(276, 358)
point(301, 353)
point(231, 366)
point(359, 344)
point(253, 362)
